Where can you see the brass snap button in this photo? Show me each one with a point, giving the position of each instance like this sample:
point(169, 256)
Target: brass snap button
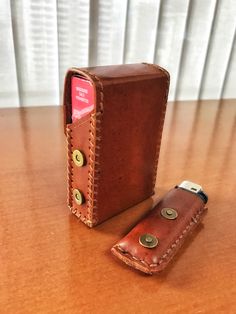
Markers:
point(169, 213)
point(148, 240)
point(78, 196)
point(78, 158)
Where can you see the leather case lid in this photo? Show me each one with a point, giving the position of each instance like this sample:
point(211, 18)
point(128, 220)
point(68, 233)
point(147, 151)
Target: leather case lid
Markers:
point(115, 74)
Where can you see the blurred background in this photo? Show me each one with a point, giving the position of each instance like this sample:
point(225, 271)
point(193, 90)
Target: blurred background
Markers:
point(39, 39)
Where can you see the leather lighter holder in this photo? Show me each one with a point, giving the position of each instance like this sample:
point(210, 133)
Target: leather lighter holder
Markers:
point(119, 139)
point(154, 241)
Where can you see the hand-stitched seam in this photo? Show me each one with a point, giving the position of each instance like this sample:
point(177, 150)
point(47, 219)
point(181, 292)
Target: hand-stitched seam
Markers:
point(70, 168)
point(81, 217)
point(158, 143)
point(94, 154)
point(194, 220)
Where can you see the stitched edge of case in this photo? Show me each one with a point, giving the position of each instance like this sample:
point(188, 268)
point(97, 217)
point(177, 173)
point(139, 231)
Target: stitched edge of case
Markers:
point(70, 168)
point(159, 137)
point(178, 242)
point(94, 148)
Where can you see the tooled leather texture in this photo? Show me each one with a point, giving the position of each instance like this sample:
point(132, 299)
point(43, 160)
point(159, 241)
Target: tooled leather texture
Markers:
point(170, 233)
point(120, 138)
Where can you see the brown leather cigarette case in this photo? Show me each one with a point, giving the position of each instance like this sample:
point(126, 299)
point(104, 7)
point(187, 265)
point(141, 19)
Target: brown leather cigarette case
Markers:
point(113, 150)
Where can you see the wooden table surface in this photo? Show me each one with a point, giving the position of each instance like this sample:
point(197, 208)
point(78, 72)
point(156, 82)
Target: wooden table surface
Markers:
point(52, 263)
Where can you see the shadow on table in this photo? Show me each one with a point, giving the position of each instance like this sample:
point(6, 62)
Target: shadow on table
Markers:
point(122, 223)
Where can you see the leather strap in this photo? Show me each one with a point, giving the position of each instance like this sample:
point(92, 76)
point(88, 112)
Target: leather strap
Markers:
point(154, 241)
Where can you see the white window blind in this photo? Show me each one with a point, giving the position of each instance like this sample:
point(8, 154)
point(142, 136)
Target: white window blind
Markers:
point(39, 39)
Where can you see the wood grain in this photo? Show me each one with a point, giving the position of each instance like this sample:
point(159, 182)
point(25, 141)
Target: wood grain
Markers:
point(52, 263)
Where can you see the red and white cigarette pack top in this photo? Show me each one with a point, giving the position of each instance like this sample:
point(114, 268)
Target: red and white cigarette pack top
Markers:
point(82, 94)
